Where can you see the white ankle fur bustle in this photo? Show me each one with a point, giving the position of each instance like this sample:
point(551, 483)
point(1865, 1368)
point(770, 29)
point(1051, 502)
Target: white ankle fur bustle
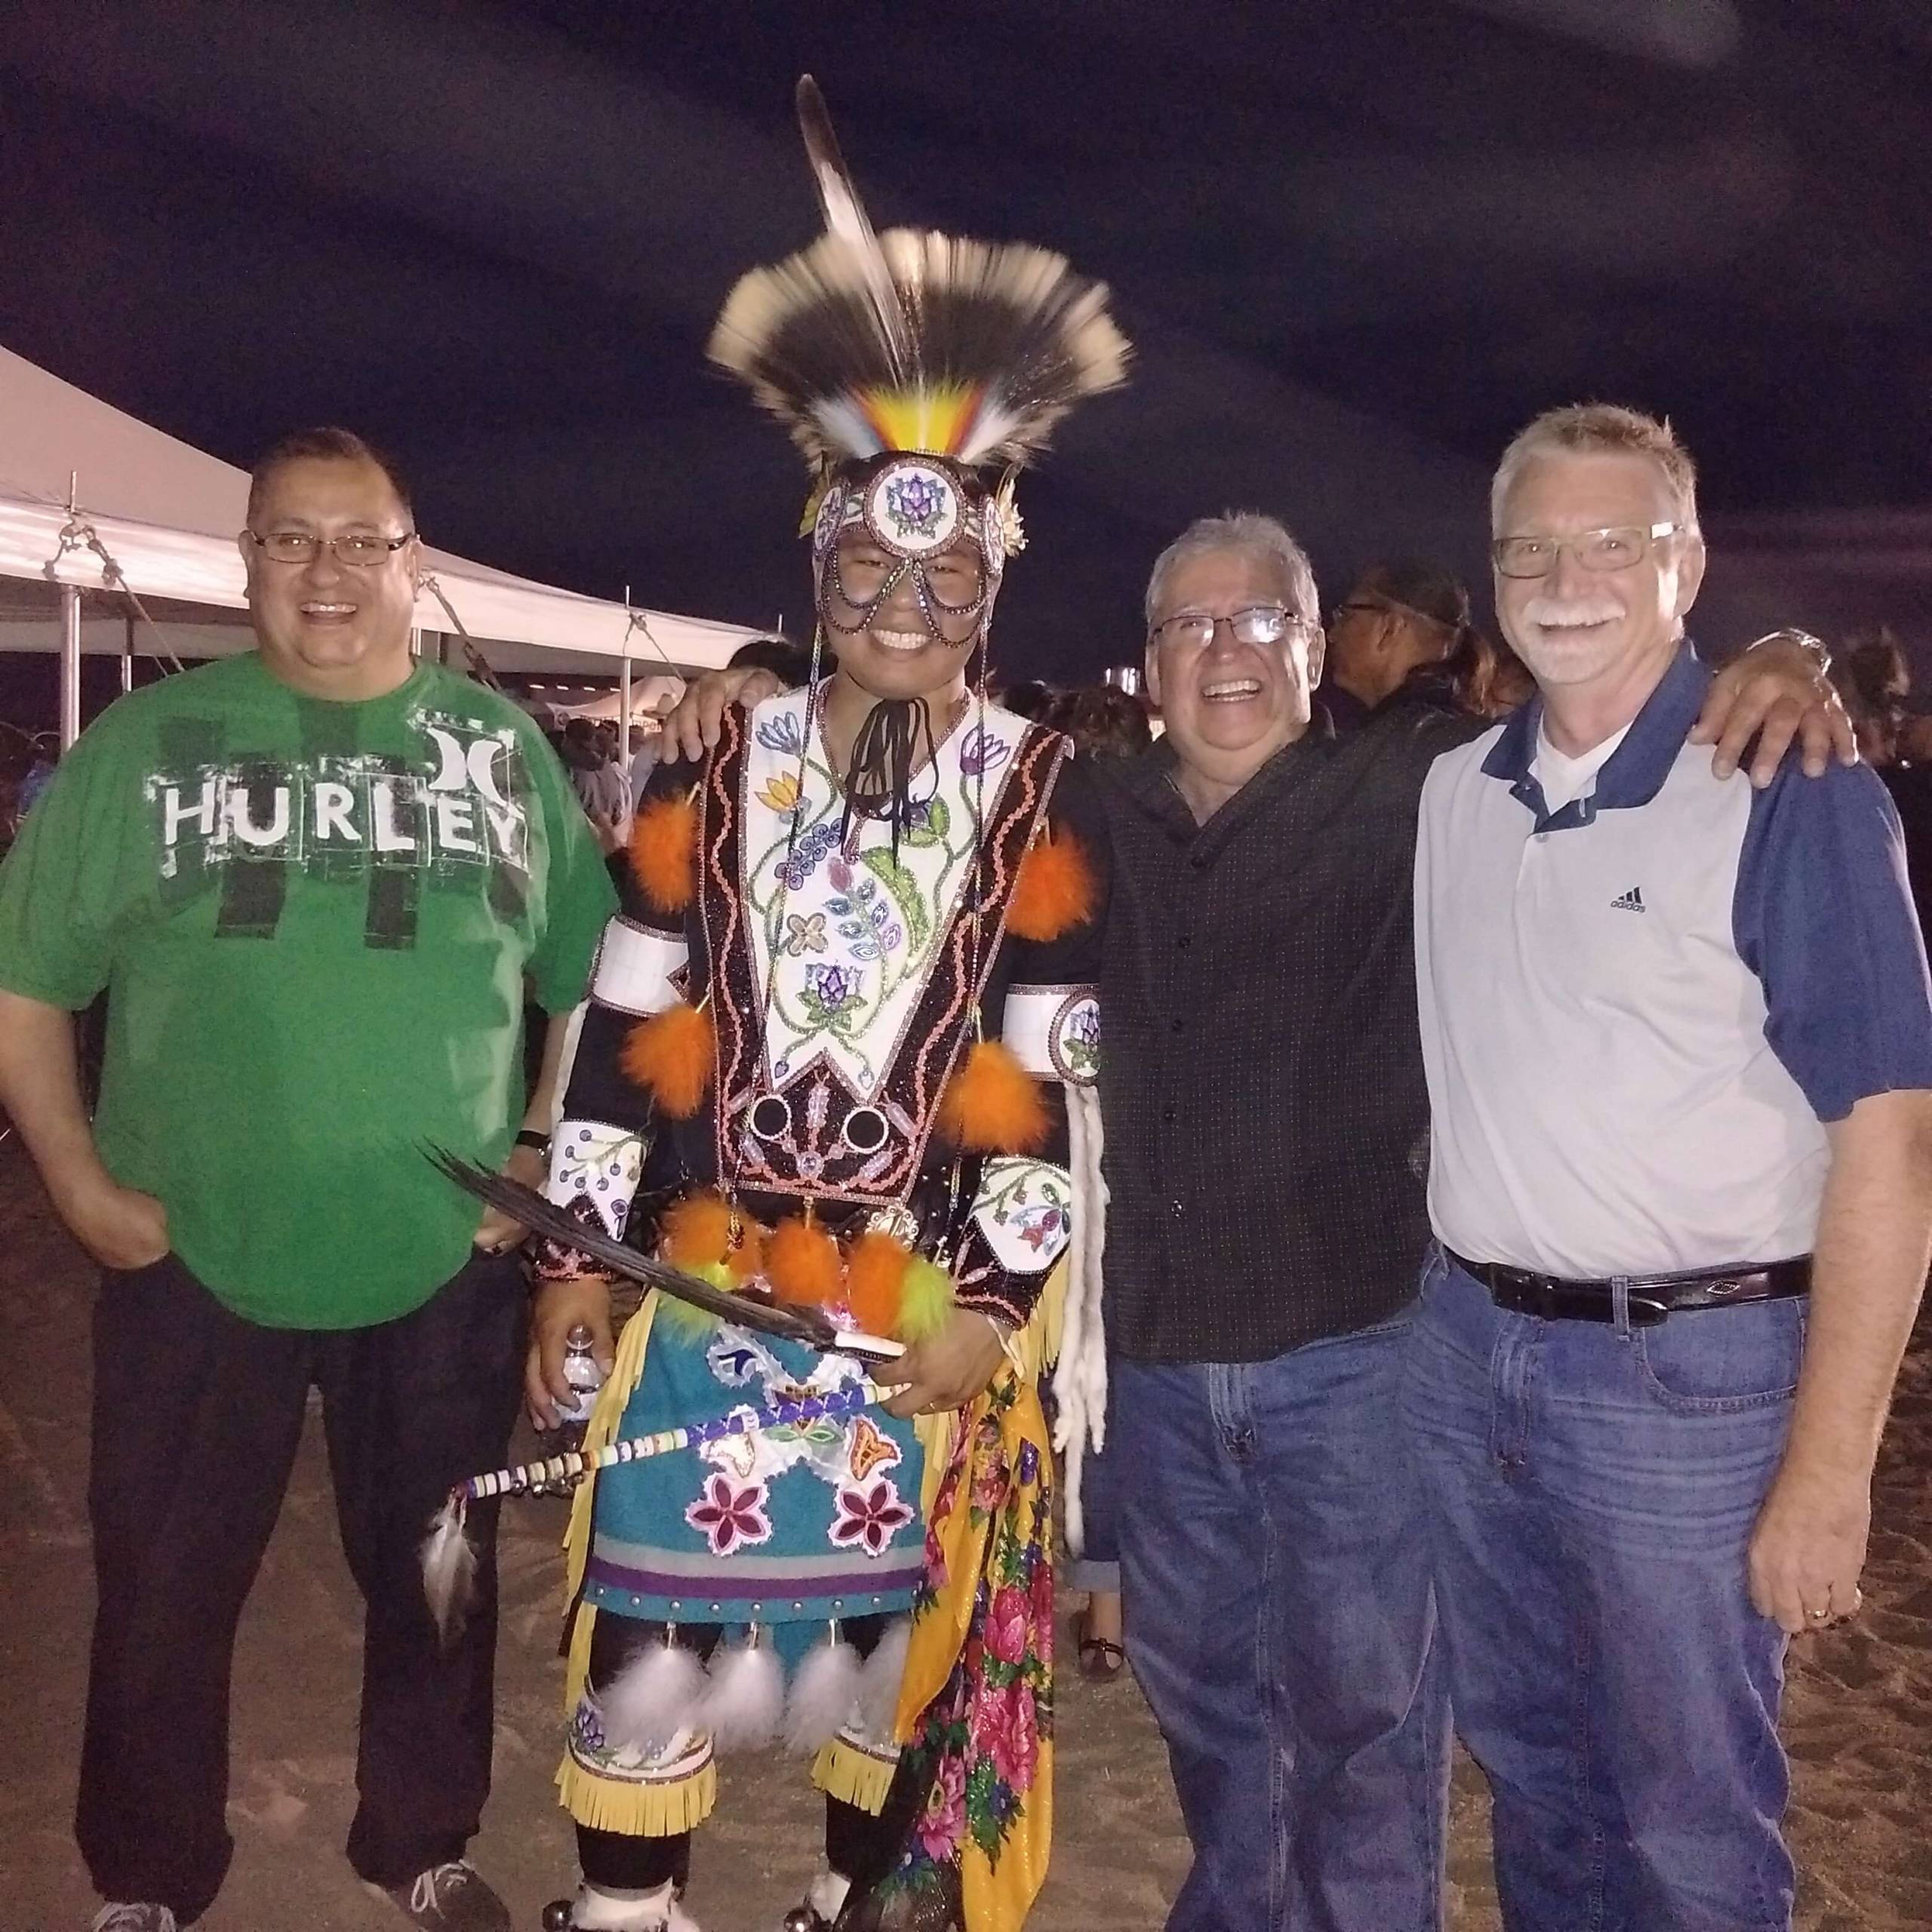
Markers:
point(827, 1893)
point(596, 1909)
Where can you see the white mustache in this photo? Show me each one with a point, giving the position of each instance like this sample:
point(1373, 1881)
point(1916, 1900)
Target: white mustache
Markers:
point(1571, 611)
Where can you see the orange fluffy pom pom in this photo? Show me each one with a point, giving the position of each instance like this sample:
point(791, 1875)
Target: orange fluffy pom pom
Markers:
point(697, 1234)
point(663, 852)
point(1054, 891)
point(802, 1263)
point(670, 1054)
point(992, 1105)
point(697, 1230)
point(875, 1281)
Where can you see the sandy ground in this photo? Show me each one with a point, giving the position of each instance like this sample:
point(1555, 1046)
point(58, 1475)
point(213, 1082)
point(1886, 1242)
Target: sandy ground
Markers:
point(1859, 1710)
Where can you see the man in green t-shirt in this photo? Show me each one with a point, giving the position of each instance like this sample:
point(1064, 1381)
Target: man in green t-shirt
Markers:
point(315, 882)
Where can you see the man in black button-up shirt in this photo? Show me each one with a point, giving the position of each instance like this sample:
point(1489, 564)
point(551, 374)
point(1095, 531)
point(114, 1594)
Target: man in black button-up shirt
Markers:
point(1265, 1106)
point(1266, 1120)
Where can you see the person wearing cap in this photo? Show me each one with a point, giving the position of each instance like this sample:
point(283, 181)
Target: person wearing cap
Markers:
point(1678, 1035)
point(1403, 625)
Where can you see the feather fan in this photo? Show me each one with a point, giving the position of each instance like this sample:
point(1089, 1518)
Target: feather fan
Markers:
point(809, 1325)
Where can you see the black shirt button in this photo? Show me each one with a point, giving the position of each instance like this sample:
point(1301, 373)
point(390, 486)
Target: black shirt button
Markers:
point(1198, 863)
point(1181, 943)
point(1178, 1209)
point(1168, 1113)
point(1175, 1024)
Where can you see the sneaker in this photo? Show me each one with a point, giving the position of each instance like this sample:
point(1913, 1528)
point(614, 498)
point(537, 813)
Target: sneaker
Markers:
point(134, 1919)
point(450, 1898)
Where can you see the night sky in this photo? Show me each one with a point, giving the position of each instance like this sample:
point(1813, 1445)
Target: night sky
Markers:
point(1356, 244)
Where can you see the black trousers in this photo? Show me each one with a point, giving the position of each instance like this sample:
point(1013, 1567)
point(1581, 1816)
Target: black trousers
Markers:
point(857, 1845)
point(197, 1415)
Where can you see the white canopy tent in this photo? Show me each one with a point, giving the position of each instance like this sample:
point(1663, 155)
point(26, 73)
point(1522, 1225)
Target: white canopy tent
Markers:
point(93, 500)
point(651, 696)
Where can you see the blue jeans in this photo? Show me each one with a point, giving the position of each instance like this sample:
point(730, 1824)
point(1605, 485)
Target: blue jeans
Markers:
point(1278, 1617)
point(1594, 1487)
point(1097, 1566)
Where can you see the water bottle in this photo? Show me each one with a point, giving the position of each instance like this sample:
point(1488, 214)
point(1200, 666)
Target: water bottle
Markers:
point(585, 1378)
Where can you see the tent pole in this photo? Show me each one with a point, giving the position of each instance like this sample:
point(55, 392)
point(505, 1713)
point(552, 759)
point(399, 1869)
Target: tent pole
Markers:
point(624, 693)
point(70, 665)
point(128, 655)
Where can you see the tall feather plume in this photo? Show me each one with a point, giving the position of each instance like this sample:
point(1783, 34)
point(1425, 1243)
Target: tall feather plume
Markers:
point(847, 221)
point(914, 340)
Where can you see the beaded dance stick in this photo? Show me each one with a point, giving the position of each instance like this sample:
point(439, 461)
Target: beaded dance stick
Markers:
point(740, 1422)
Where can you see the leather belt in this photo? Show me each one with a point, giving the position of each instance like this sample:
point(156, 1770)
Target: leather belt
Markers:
point(1652, 1297)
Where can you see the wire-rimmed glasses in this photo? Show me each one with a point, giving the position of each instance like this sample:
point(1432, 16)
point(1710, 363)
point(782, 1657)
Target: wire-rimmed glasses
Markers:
point(1617, 547)
point(358, 551)
point(1259, 623)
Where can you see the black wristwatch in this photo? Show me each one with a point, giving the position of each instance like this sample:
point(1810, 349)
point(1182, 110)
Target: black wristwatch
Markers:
point(528, 1136)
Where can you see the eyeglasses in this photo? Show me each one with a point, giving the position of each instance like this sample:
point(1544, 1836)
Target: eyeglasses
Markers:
point(1615, 549)
point(1260, 623)
point(356, 551)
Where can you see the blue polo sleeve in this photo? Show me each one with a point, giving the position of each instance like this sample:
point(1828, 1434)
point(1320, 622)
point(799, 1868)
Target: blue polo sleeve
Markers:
point(1823, 915)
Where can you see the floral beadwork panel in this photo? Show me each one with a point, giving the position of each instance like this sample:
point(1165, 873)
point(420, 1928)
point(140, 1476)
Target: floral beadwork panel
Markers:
point(852, 1455)
point(1025, 1210)
point(845, 933)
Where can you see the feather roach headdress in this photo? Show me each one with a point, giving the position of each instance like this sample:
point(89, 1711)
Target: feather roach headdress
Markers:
point(906, 364)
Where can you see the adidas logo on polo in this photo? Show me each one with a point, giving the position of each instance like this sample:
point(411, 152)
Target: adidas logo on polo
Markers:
point(1631, 901)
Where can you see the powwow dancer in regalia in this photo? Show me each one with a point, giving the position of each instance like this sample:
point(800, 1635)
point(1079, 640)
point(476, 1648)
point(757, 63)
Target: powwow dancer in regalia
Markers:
point(840, 1052)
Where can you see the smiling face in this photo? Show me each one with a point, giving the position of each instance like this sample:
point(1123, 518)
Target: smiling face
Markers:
point(327, 629)
point(887, 645)
point(1230, 707)
point(1578, 629)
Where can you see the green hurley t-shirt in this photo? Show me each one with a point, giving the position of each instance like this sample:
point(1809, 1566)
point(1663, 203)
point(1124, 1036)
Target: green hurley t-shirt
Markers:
point(315, 922)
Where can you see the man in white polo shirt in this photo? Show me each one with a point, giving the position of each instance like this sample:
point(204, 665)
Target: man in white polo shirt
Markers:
point(1678, 1041)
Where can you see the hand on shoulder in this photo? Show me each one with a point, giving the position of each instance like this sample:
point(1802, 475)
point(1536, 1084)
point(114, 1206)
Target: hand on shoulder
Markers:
point(1778, 691)
point(693, 728)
